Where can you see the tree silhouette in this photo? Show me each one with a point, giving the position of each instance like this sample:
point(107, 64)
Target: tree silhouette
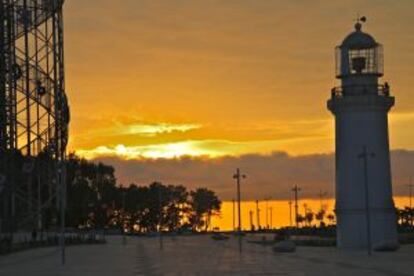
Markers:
point(320, 216)
point(204, 204)
point(331, 218)
point(309, 217)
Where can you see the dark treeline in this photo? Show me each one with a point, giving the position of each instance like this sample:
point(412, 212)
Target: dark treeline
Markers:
point(96, 201)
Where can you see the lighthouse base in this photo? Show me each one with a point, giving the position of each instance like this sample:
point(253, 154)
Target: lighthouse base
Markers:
point(352, 229)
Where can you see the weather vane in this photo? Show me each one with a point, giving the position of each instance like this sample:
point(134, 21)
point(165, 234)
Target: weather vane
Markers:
point(360, 19)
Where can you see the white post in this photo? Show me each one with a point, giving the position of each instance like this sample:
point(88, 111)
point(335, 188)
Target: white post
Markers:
point(61, 174)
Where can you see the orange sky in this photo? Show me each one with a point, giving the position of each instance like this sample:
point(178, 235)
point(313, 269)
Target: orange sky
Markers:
point(280, 214)
point(176, 77)
point(242, 83)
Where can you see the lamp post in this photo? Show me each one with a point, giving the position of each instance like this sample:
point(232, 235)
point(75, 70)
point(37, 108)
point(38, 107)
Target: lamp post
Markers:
point(271, 217)
point(296, 190)
point(234, 214)
point(61, 180)
point(238, 176)
point(123, 217)
point(258, 215)
point(321, 194)
point(267, 212)
point(160, 218)
point(410, 188)
point(251, 220)
point(364, 156)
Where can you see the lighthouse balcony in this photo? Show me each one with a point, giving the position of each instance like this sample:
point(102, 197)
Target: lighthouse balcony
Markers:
point(362, 98)
point(360, 90)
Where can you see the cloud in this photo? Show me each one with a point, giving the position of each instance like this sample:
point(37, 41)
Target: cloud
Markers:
point(194, 148)
point(141, 129)
point(137, 137)
point(203, 148)
point(267, 175)
point(169, 150)
point(153, 129)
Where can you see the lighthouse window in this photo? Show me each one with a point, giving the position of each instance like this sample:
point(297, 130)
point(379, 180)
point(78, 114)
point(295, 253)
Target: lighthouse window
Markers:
point(365, 61)
point(359, 61)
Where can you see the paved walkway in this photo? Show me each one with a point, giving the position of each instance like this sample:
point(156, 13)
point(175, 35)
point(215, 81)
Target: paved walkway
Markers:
point(200, 255)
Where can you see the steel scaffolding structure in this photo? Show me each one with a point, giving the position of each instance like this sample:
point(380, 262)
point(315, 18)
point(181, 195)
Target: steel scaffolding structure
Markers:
point(34, 114)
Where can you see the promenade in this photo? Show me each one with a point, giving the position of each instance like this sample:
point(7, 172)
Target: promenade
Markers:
point(200, 255)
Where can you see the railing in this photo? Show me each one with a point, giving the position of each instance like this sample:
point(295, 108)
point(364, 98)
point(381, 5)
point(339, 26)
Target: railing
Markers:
point(380, 90)
point(26, 241)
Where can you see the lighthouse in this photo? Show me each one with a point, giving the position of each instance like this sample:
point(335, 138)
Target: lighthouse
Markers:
point(365, 210)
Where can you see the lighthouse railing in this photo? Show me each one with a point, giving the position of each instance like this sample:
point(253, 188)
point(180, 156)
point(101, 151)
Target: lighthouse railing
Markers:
point(340, 91)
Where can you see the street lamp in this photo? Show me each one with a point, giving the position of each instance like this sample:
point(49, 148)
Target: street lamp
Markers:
point(296, 190)
point(238, 176)
point(364, 155)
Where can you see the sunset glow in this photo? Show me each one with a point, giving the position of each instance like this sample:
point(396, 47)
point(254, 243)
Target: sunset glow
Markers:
point(237, 79)
point(172, 150)
point(215, 137)
point(234, 82)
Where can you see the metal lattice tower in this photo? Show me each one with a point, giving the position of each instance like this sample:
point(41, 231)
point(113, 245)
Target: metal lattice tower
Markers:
point(34, 112)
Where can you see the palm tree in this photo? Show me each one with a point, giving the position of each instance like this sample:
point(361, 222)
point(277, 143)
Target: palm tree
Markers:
point(331, 218)
point(405, 216)
point(309, 217)
point(320, 216)
point(300, 219)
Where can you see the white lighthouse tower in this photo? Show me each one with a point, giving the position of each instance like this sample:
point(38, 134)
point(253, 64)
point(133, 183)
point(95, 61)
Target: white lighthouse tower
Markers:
point(364, 204)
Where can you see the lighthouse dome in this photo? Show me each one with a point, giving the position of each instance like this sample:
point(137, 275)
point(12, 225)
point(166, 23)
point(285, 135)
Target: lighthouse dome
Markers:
point(359, 40)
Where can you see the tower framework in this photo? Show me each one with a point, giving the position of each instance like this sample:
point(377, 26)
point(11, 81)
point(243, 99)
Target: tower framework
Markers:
point(34, 114)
